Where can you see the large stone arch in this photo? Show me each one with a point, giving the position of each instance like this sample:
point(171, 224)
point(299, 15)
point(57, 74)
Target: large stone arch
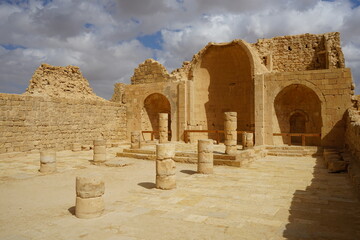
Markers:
point(223, 76)
point(297, 101)
point(154, 104)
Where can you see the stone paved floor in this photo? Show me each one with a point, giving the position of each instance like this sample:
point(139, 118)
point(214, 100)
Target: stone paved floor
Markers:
point(273, 198)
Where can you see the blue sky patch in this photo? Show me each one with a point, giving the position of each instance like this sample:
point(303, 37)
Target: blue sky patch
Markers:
point(12, 46)
point(89, 25)
point(153, 41)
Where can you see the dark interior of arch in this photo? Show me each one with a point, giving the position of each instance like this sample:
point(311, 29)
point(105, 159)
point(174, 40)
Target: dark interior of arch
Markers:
point(298, 110)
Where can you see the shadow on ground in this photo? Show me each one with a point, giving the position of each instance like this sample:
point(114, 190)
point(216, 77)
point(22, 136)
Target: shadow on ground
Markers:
point(147, 185)
point(190, 172)
point(327, 209)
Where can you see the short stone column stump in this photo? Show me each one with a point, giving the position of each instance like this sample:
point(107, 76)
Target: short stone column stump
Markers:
point(47, 161)
point(99, 151)
point(89, 191)
point(165, 166)
point(205, 156)
point(135, 140)
point(248, 140)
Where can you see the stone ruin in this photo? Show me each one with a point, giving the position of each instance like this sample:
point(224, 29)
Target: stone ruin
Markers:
point(289, 90)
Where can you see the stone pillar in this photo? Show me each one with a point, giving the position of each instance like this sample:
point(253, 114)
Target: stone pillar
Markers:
point(47, 161)
point(99, 151)
point(248, 140)
point(135, 140)
point(89, 200)
point(205, 156)
point(165, 166)
point(76, 147)
point(163, 127)
point(230, 127)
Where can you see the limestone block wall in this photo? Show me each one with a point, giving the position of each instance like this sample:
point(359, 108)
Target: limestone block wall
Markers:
point(34, 123)
point(150, 71)
point(333, 88)
point(162, 96)
point(301, 52)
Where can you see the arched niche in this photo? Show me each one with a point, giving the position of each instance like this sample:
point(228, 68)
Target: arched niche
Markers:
point(153, 105)
point(224, 82)
point(297, 110)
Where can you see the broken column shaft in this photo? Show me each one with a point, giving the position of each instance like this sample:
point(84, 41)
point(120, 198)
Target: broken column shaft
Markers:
point(135, 140)
point(99, 151)
point(205, 156)
point(47, 161)
point(163, 127)
point(165, 166)
point(89, 200)
point(230, 131)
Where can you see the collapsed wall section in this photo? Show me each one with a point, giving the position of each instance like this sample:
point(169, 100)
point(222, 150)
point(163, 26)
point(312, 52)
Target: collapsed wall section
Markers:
point(54, 81)
point(150, 71)
point(34, 123)
point(301, 52)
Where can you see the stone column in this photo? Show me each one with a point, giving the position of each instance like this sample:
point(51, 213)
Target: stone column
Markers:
point(47, 161)
point(89, 200)
point(135, 140)
point(248, 140)
point(205, 156)
point(163, 127)
point(165, 166)
point(99, 151)
point(230, 127)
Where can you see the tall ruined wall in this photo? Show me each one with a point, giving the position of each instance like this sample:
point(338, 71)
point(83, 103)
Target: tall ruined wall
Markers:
point(301, 52)
point(33, 123)
point(150, 71)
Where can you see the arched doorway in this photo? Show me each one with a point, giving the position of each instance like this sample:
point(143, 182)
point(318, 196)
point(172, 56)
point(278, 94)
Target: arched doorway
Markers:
point(298, 110)
point(153, 105)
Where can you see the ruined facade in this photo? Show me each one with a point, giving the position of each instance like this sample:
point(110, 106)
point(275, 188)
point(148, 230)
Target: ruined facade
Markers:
point(289, 84)
point(284, 85)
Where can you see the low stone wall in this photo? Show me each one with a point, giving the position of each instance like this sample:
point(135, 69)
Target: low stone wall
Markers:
point(352, 141)
point(34, 123)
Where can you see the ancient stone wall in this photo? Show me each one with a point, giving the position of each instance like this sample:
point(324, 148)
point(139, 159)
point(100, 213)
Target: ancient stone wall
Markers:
point(34, 122)
point(301, 52)
point(150, 71)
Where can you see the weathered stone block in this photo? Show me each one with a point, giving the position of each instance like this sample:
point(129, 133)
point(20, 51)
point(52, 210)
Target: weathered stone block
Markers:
point(89, 207)
point(165, 151)
point(90, 186)
point(165, 167)
point(165, 182)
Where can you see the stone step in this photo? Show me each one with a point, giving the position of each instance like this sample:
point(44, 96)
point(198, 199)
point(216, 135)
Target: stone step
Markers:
point(189, 158)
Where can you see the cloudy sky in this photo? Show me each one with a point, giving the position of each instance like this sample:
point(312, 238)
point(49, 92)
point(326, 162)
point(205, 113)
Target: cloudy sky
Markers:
point(107, 39)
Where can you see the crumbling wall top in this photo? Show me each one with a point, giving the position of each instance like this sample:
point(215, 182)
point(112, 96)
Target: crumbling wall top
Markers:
point(53, 81)
point(150, 71)
point(301, 52)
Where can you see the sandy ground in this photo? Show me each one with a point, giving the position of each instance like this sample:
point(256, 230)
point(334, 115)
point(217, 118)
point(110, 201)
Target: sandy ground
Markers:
point(273, 198)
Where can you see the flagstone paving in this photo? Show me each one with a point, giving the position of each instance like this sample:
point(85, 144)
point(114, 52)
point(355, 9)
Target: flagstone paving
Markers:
point(272, 198)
